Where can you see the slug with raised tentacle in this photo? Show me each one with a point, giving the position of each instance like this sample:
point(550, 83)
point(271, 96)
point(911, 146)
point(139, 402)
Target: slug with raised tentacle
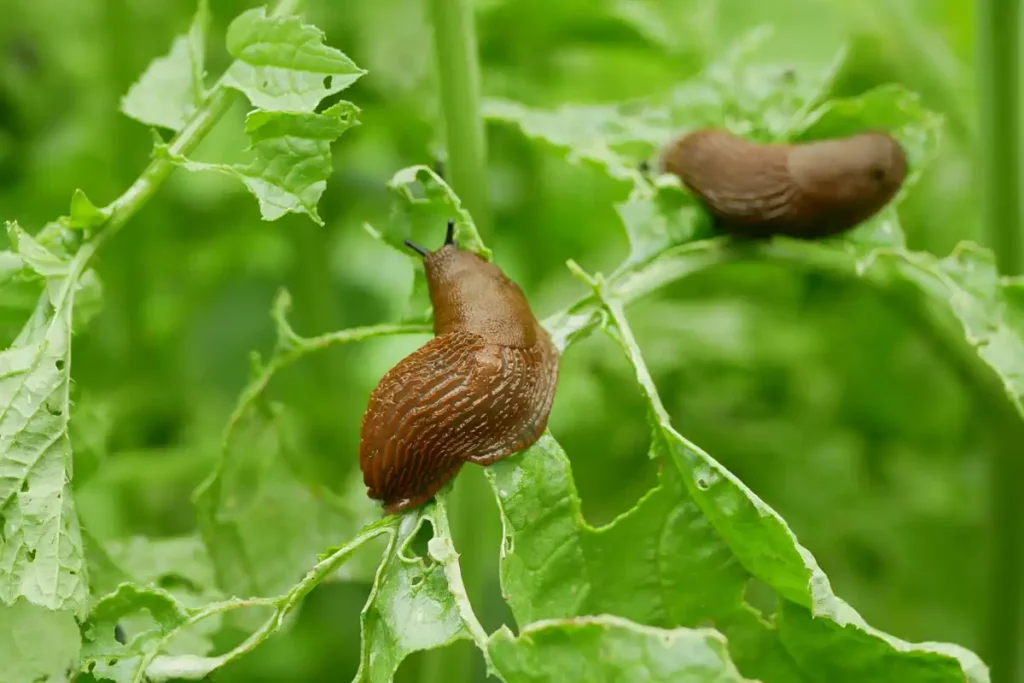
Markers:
point(479, 391)
point(807, 190)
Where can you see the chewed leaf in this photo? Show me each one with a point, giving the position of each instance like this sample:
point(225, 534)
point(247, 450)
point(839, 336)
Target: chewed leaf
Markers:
point(554, 565)
point(423, 204)
point(42, 546)
point(282, 64)
point(417, 601)
point(768, 549)
point(171, 88)
point(292, 158)
point(610, 648)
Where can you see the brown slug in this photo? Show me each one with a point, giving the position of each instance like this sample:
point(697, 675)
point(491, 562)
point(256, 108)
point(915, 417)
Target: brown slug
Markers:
point(479, 391)
point(806, 190)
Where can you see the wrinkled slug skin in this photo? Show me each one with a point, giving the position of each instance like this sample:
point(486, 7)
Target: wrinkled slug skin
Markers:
point(479, 391)
point(807, 190)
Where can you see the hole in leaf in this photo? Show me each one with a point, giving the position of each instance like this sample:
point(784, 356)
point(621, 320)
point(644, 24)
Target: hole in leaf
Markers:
point(91, 666)
point(416, 547)
point(119, 634)
point(702, 483)
point(761, 596)
point(266, 82)
point(24, 486)
point(32, 555)
point(169, 581)
point(327, 82)
point(3, 525)
point(112, 661)
point(510, 545)
point(417, 581)
point(596, 373)
point(53, 410)
point(59, 363)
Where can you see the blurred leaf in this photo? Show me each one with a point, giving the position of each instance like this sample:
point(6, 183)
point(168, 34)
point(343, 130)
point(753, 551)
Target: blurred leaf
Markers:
point(282, 64)
point(36, 644)
point(887, 107)
point(40, 544)
point(611, 648)
point(292, 158)
point(171, 88)
point(105, 657)
point(755, 100)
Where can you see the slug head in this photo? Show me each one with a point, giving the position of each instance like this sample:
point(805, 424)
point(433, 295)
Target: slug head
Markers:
point(857, 174)
point(472, 295)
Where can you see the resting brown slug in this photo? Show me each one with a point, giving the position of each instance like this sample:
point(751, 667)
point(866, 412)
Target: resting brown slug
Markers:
point(806, 190)
point(479, 391)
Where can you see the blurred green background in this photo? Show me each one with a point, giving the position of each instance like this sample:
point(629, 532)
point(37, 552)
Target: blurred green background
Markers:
point(817, 393)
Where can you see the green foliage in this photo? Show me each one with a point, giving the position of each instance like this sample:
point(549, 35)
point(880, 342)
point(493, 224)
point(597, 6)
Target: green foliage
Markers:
point(196, 524)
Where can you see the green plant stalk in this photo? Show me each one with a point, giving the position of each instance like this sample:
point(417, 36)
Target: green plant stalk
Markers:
point(459, 81)
point(997, 44)
point(455, 51)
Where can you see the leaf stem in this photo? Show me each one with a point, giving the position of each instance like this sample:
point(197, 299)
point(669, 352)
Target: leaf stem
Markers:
point(455, 49)
point(998, 71)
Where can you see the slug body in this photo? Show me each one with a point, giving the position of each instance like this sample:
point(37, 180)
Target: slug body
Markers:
point(479, 391)
point(807, 190)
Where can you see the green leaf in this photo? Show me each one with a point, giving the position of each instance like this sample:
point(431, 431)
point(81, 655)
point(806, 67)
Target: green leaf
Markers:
point(887, 107)
point(767, 548)
point(106, 658)
point(609, 648)
point(84, 214)
point(423, 204)
point(755, 100)
point(644, 566)
point(37, 645)
point(282, 64)
point(171, 88)
point(291, 158)
point(417, 601)
point(40, 543)
point(257, 508)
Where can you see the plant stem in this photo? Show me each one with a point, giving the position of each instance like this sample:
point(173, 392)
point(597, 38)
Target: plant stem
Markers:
point(997, 41)
point(459, 74)
point(188, 138)
point(459, 71)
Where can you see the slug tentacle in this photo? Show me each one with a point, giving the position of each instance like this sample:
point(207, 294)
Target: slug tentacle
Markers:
point(479, 391)
point(807, 190)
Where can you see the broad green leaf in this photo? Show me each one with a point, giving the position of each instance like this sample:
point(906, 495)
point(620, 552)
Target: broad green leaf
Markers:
point(644, 566)
point(291, 158)
point(417, 601)
point(171, 88)
point(40, 543)
point(609, 648)
point(37, 645)
point(282, 64)
point(766, 547)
